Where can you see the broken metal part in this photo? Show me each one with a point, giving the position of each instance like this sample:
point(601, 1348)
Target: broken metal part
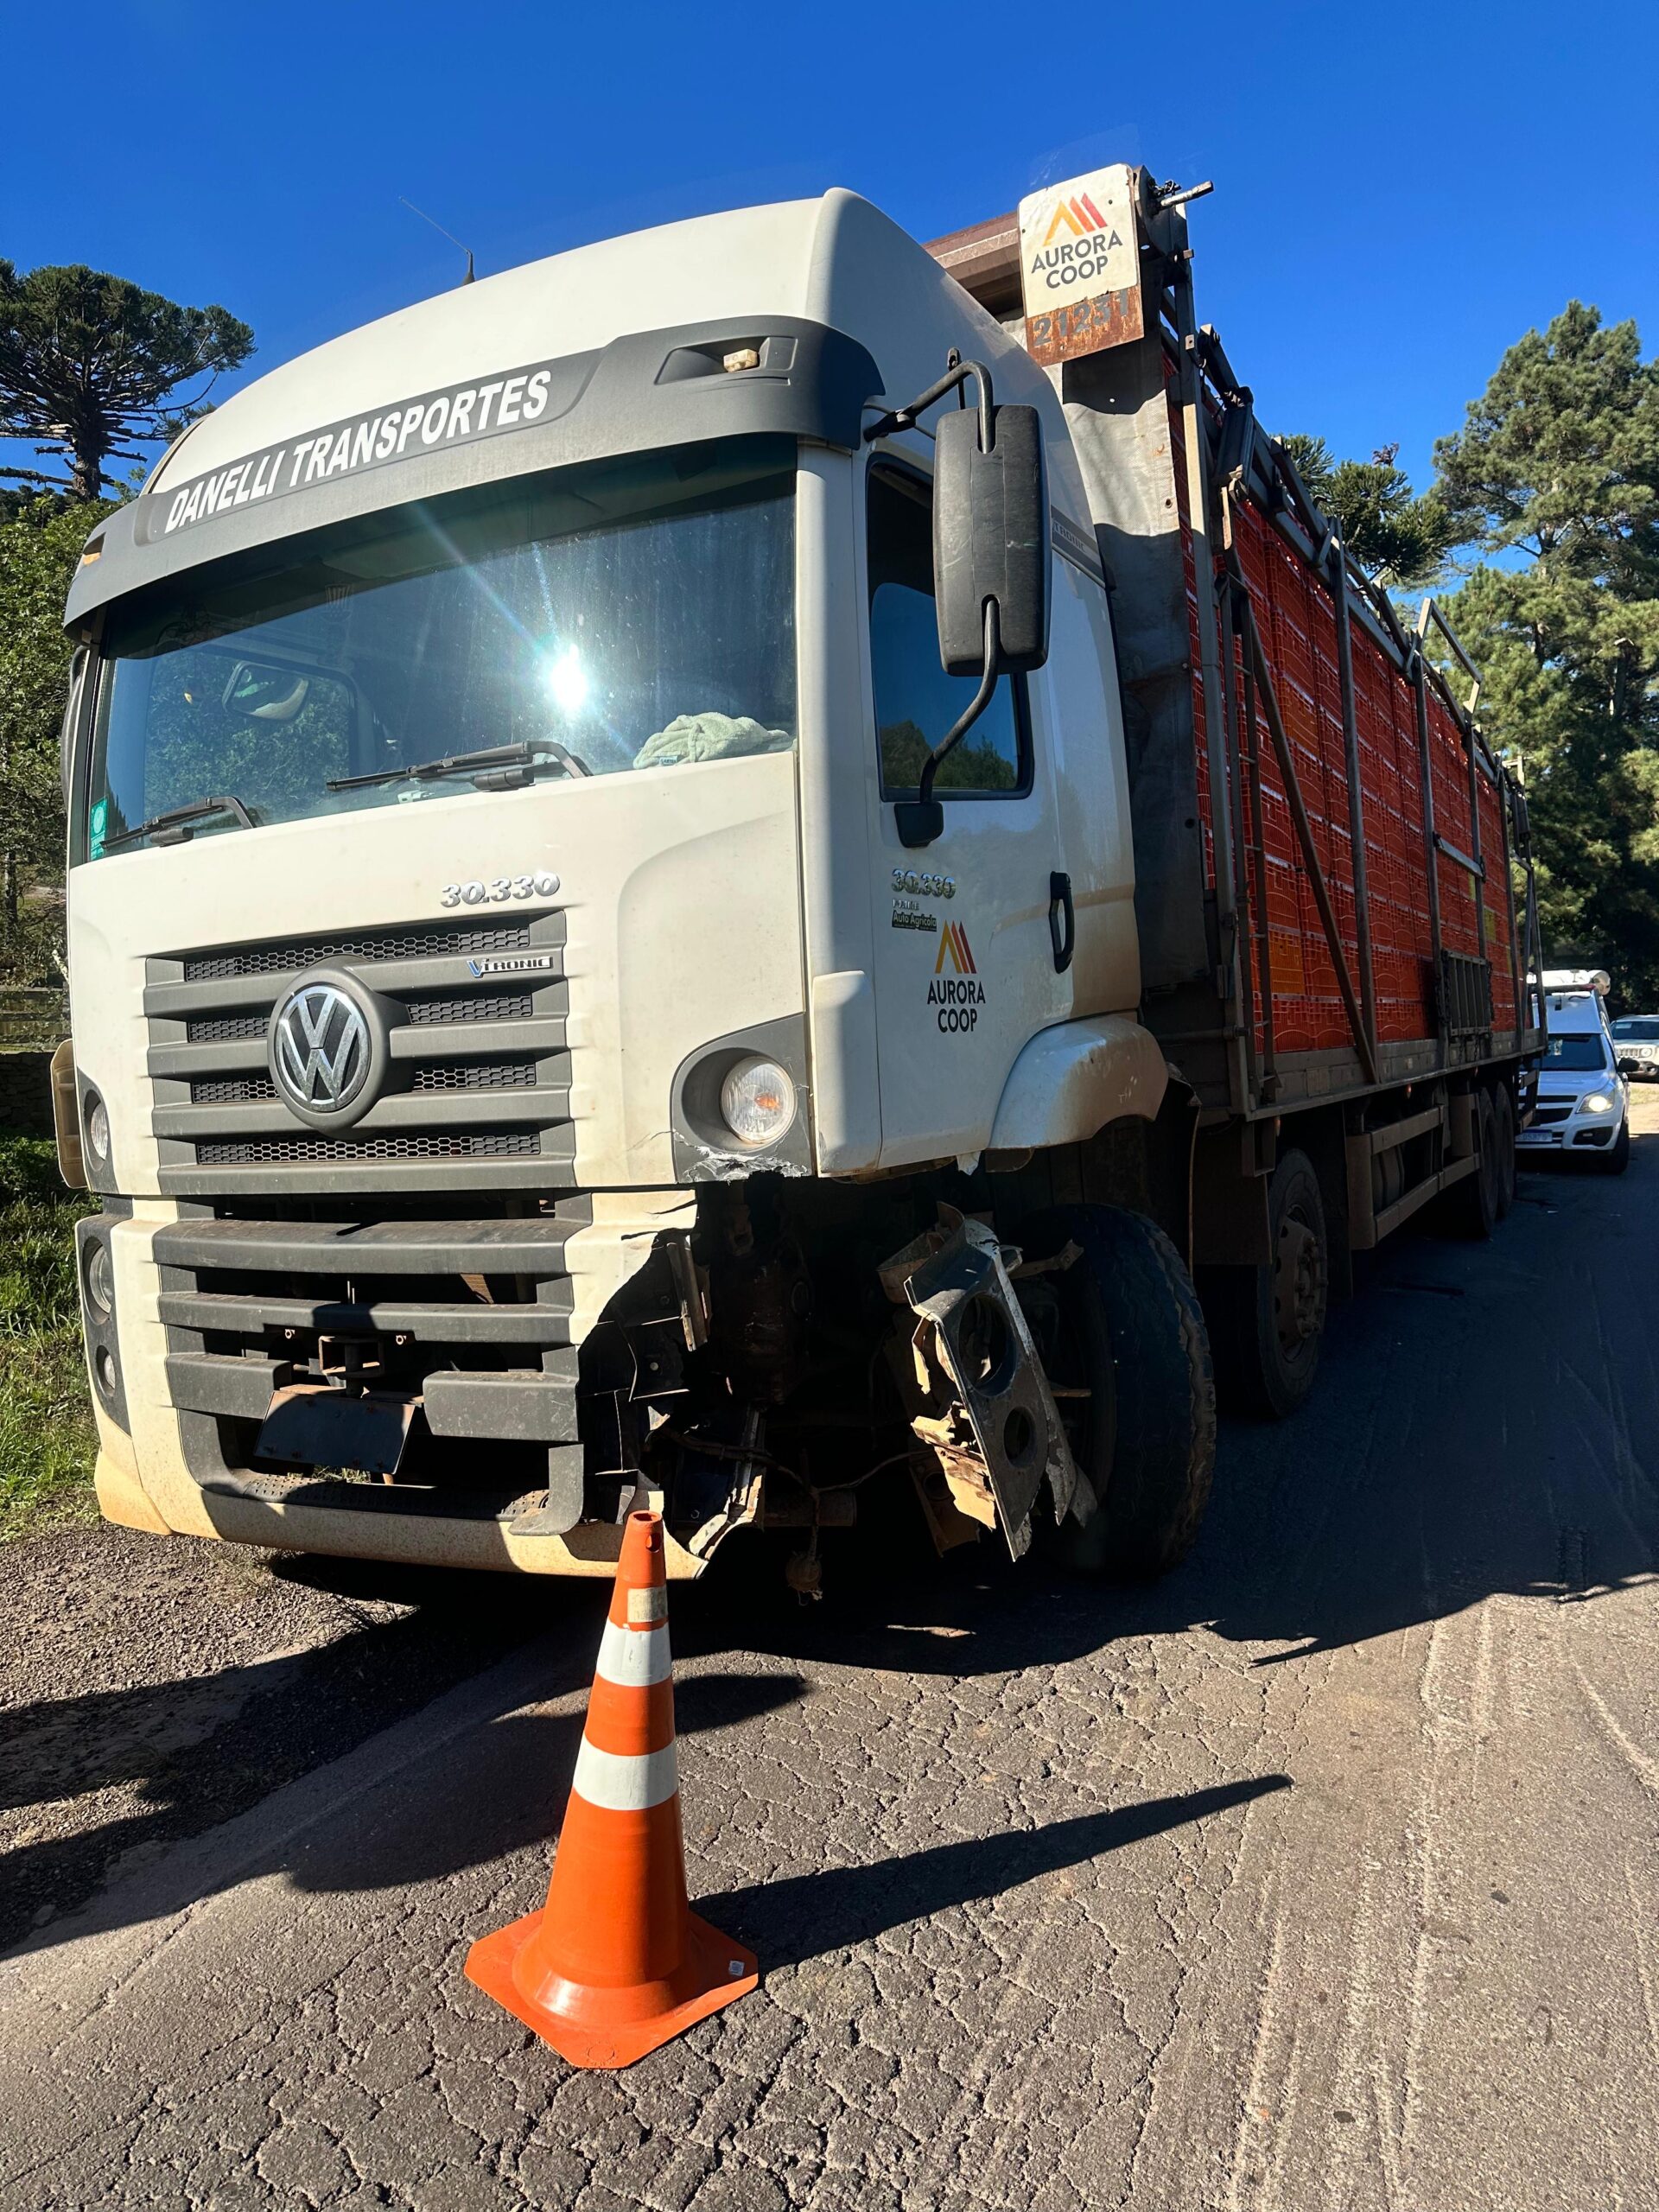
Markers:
point(956, 1279)
point(1068, 1255)
point(947, 1524)
point(956, 1455)
point(719, 1485)
point(690, 1288)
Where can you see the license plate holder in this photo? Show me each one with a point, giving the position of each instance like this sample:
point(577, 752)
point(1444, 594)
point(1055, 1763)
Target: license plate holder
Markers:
point(319, 1425)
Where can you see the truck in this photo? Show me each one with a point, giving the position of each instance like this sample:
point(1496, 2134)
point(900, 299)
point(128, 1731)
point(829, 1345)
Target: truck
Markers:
point(767, 870)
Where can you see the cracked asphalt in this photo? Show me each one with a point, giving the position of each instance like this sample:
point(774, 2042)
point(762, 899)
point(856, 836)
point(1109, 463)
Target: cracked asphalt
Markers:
point(1323, 1876)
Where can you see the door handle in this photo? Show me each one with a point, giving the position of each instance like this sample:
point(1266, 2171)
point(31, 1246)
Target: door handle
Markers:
point(1059, 903)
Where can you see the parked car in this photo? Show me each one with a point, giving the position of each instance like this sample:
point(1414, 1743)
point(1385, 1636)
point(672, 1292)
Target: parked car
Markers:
point(1583, 1104)
point(1635, 1040)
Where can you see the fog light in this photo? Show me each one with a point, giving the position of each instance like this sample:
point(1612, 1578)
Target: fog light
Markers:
point(100, 1280)
point(104, 1369)
point(98, 1125)
point(757, 1100)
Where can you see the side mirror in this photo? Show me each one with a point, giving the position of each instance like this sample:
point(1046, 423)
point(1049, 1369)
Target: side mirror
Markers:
point(1630, 1067)
point(990, 557)
point(991, 538)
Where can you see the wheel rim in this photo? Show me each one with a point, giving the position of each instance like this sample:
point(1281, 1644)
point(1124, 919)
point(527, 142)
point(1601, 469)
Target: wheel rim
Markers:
point(1298, 1284)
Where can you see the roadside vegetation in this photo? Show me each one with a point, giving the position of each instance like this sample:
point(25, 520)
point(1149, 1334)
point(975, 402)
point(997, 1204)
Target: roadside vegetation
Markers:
point(47, 1444)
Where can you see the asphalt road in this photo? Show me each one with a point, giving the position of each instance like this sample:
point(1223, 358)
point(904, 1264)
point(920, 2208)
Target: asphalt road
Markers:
point(1324, 1875)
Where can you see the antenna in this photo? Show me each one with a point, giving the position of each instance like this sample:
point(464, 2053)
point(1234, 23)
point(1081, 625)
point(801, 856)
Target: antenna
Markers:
point(468, 278)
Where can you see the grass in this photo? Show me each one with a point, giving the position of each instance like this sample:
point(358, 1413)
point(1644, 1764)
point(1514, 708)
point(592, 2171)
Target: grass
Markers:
point(47, 1443)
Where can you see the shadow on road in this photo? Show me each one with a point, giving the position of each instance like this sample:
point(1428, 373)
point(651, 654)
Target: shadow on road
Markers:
point(1487, 1421)
point(805, 1915)
point(202, 1751)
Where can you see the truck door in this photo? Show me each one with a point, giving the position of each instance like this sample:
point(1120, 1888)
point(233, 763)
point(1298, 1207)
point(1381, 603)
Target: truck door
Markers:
point(964, 961)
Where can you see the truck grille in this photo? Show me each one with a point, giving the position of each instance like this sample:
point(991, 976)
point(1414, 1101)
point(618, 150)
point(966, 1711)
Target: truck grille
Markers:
point(354, 945)
point(478, 1086)
point(472, 1316)
point(512, 1145)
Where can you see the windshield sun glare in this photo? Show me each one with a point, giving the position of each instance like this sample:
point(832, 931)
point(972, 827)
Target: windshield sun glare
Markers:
point(625, 616)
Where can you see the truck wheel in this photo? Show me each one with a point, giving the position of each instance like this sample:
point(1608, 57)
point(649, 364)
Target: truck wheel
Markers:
point(1267, 1321)
point(1503, 1121)
point(1123, 1324)
point(1471, 1207)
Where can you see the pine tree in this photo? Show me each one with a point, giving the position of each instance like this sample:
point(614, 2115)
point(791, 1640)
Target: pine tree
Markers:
point(1554, 479)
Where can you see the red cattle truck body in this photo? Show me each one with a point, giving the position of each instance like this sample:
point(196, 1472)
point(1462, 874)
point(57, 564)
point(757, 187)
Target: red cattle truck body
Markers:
point(1334, 899)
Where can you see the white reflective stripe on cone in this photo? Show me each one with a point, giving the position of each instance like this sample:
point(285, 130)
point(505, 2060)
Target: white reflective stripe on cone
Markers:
point(634, 1658)
point(626, 1782)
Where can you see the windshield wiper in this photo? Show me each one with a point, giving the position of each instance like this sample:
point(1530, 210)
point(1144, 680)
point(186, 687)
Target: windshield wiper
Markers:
point(495, 767)
point(172, 828)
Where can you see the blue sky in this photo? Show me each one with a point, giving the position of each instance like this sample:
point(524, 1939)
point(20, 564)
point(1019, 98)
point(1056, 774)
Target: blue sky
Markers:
point(1398, 195)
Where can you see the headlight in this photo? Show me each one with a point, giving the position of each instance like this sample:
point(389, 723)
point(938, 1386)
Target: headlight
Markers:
point(1597, 1102)
point(98, 1125)
point(100, 1283)
point(757, 1101)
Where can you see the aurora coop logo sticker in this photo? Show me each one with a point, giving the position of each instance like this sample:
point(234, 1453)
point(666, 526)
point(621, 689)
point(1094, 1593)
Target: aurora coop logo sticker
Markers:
point(1076, 246)
point(955, 993)
point(1080, 265)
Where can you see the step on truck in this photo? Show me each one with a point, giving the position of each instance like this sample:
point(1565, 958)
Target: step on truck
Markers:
point(752, 867)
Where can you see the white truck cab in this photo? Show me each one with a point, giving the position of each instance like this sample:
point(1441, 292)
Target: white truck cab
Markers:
point(479, 850)
point(1583, 1105)
point(605, 956)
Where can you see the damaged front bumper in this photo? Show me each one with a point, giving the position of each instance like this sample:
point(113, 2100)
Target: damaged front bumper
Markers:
point(509, 1360)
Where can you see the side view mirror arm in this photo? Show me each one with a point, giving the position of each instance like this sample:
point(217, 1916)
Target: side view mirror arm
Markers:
point(905, 418)
point(921, 819)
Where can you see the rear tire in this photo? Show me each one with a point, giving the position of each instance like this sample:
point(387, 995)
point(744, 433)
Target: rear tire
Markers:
point(1267, 1321)
point(1124, 1323)
point(1504, 1120)
point(1469, 1207)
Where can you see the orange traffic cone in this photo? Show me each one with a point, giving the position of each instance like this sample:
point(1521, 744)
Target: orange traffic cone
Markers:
point(616, 1962)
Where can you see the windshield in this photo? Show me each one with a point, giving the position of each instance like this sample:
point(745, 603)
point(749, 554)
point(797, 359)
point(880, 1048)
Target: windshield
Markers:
point(1640, 1028)
point(1578, 1055)
point(627, 616)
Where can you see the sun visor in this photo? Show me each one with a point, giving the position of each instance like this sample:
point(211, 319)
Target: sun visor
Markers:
point(649, 389)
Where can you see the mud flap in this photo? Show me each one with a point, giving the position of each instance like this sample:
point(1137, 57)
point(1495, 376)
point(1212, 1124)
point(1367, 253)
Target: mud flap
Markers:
point(961, 1287)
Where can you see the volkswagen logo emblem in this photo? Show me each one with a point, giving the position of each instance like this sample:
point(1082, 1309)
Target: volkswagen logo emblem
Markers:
point(321, 1049)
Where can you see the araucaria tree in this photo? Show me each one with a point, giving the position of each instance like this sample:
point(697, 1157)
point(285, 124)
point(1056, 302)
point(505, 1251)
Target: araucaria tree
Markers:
point(1399, 539)
point(91, 369)
point(1554, 479)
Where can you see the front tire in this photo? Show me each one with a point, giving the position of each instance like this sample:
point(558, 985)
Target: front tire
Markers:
point(1617, 1158)
point(1122, 1324)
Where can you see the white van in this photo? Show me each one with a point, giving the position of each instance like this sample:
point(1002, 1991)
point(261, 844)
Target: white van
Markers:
point(1583, 1104)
